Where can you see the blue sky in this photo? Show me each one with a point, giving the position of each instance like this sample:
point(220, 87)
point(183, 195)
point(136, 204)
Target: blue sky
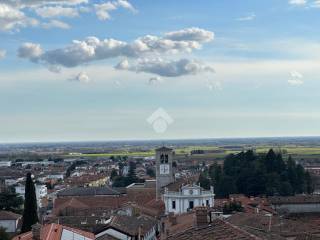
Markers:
point(218, 68)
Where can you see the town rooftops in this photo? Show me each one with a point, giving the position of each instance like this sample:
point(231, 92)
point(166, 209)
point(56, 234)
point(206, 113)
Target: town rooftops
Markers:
point(299, 199)
point(6, 215)
point(57, 232)
point(130, 225)
point(217, 229)
point(89, 191)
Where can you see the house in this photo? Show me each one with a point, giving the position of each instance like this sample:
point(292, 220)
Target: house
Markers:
point(54, 232)
point(188, 197)
point(9, 221)
point(125, 227)
point(296, 204)
point(205, 227)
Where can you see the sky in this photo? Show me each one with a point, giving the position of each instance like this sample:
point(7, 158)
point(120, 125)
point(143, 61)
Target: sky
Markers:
point(84, 70)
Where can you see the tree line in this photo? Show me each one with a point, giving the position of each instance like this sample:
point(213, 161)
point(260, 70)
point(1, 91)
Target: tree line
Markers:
point(257, 174)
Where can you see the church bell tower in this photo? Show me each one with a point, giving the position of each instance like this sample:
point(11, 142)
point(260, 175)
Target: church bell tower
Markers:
point(164, 169)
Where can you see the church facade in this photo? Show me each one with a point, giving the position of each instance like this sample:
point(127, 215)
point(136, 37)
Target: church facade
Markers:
point(187, 198)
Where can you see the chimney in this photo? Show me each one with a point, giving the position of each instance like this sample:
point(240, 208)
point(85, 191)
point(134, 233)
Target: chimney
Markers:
point(201, 216)
point(36, 231)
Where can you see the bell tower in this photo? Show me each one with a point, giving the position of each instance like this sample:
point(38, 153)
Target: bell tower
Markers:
point(164, 169)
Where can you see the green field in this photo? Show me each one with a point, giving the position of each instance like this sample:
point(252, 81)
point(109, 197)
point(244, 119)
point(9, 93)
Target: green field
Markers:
point(302, 152)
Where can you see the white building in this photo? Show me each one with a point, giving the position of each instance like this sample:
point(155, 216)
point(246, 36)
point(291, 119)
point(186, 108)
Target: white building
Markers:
point(5, 163)
point(9, 221)
point(187, 198)
point(41, 192)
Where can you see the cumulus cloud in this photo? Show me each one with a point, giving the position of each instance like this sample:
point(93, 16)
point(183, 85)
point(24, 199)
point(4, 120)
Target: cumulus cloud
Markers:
point(103, 10)
point(2, 54)
point(57, 11)
point(316, 4)
point(170, 68)
point(82, 77)
point(30, 51)
point(296, 78)
point(93, 49)
point(155, 80)
point(14, 19)
point(16, 14)
point(55, 24)
point(213, 85)
point(191, 35)
point(249, 17)
point(298, 2)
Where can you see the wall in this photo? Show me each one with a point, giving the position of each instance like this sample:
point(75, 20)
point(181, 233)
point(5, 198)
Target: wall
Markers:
point(9, 225)
point(299, 208)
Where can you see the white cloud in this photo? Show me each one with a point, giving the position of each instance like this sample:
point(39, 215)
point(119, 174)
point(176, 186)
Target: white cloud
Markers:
point(123, 65)
point(57, 11)
point(13, 19)
point(316, 4)
point(56, 24)
point(2, 54)
point(296, 78)
point(103, 10)
point(296, 74)
point(298, 2)
point(213, 85)
point(82, 77)
point(155, 80)
point(296, 82)
point(30, 51)
point(170, 68)
point(249, 17)
point(191, 35)
point(16, 14)
point(93, 49)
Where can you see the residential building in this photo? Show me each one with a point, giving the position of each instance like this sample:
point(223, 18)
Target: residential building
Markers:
point(296, 204)
point(124, 227)
point(54, 232)
point(9, 221)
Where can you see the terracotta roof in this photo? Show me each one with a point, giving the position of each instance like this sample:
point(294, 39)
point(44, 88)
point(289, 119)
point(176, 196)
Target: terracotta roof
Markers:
point(280, 226)
point(6, 215)
point(92, 202)
point(70, 203)
point(88, 191)
point(218, 229)
point(54, 232)
point(130, 224)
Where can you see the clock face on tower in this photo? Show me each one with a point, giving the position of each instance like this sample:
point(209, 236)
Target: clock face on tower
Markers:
point(164, 169)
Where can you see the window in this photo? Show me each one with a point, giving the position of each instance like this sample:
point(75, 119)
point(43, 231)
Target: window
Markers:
point(173, 204)
point(207, 203)
point(166, 158)
point(191, 205)
point(162, 158)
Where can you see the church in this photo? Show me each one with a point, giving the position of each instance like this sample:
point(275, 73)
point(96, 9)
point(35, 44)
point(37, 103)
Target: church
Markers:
point(187, 196)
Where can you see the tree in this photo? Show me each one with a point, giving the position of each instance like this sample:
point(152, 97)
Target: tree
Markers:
point(132, 177)
point(113, 174)
point(151, 172)
point(309, 184)
point(204, 181)
point(3, 234)
point(30, 214)
point(11, 201)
